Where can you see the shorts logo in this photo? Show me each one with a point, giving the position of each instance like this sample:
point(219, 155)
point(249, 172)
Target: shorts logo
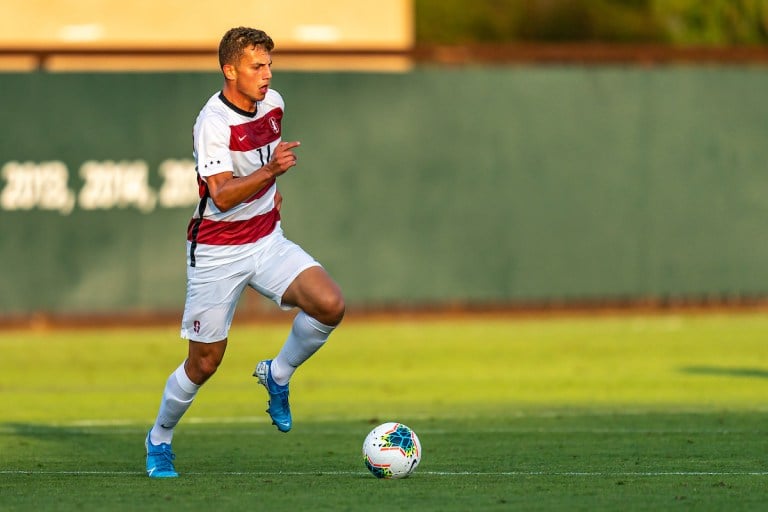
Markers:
point(196, 327)
point(273, 124)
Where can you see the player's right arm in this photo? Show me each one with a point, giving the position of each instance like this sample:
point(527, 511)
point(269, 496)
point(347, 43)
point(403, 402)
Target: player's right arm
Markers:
point(226, 191)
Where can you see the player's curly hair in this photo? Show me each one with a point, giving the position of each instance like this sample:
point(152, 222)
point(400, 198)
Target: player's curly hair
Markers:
point(237, 39)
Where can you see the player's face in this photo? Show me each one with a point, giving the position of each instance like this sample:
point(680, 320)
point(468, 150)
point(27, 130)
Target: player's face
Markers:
point(252, 75)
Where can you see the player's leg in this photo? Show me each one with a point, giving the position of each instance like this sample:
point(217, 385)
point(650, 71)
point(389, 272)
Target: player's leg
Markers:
point(322, 308)
point(211, 299)
point(182, 386)
point(203, 360)
point(180, 390)
point(292, 278)
point(177, 397)
point(317, 294)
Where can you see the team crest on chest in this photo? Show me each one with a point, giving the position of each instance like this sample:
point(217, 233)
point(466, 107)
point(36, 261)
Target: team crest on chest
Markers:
point(274, 125)
point(257, 133)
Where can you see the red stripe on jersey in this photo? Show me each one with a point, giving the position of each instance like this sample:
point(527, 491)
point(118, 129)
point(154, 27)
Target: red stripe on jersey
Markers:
point(257, 133)
point(202, 189)
point(240, 232)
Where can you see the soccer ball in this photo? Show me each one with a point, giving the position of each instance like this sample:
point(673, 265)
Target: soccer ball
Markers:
point(391, 450)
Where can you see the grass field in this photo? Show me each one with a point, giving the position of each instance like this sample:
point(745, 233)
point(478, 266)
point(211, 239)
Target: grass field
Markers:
point(660, 412)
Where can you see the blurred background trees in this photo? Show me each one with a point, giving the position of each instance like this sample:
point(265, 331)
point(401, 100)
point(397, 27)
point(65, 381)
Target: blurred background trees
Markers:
point(674, 22)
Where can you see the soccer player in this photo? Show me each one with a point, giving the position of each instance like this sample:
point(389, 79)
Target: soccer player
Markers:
point(235, 240)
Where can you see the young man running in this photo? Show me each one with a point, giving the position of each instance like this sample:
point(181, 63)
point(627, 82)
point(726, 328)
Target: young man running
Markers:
point(235, 240)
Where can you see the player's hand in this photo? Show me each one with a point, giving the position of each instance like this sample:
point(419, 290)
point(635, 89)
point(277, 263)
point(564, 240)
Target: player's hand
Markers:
point(278, 200)
point(283, 159)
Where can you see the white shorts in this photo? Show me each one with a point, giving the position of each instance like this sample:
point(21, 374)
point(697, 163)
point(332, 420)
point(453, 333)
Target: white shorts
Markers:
point(213, 292)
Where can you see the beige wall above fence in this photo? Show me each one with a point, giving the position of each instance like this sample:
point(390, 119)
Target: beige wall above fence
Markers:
point(42, 25)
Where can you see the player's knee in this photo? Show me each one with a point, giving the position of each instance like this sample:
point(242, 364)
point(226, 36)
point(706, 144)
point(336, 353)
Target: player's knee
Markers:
point(209, 366)
point(202, 368)
point(331, 309)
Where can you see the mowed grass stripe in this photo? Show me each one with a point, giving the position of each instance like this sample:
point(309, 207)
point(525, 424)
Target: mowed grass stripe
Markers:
point(404, 369)
point(414, 368)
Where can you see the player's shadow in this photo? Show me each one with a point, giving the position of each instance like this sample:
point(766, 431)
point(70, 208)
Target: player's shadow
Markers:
point(724, 371)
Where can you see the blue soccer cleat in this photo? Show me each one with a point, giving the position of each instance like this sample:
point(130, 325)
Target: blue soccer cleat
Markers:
point(279, 409)
point(160, 460)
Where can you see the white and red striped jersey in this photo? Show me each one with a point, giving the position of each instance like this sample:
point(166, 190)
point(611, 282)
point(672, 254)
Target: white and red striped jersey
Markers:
point(227, 138)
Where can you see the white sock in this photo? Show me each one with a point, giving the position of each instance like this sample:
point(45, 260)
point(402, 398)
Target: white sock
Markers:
point(306, 337)
point(177, 397)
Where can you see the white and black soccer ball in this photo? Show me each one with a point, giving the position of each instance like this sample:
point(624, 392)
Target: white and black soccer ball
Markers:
point(391, 450)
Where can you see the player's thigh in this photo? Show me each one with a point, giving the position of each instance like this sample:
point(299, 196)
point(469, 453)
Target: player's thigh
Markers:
point(212, 295)
point(280, 264)
point(315, 292)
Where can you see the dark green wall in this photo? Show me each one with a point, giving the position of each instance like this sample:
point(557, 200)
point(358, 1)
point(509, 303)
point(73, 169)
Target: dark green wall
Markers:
point(440, 185)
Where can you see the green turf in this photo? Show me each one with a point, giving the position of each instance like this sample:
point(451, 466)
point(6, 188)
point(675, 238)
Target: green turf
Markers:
point(586, 413)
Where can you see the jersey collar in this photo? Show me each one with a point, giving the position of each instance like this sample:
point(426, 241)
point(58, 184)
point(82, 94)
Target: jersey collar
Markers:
point(236, 108)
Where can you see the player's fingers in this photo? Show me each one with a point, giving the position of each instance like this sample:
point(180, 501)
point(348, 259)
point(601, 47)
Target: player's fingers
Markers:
point(285, 146)
point(289, 159)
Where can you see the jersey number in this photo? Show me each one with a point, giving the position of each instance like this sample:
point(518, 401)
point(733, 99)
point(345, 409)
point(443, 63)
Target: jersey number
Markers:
point(269, 155)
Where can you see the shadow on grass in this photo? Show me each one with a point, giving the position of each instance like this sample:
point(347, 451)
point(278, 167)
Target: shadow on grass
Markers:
point(232, 448)
point(722, 371)
point(36, 447)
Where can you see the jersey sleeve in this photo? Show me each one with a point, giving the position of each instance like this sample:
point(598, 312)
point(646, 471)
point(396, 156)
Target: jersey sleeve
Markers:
point(212, 141)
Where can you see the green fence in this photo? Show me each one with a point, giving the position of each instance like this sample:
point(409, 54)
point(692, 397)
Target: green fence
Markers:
point(438, 186)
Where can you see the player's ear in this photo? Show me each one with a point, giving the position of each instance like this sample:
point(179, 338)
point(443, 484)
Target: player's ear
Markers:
point(230, 73)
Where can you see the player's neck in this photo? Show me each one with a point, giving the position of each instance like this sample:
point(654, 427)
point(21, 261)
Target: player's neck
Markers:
point(239, 100)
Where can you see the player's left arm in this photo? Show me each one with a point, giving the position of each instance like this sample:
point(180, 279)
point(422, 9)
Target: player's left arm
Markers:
point(226, 191)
